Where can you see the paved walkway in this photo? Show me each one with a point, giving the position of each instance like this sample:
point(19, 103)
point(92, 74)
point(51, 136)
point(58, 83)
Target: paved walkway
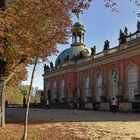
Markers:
point(16, 115)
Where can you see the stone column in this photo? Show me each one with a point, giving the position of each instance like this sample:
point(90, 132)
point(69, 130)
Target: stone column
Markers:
point(122, 86)
point(91, 83)
point(121, 71)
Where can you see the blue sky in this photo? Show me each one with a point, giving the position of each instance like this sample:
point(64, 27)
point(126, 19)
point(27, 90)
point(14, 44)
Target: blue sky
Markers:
point(101, 24)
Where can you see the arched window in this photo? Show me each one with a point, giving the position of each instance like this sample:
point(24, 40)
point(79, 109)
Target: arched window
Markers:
point(99, 90)
point(132, 75)
point(62, 91)
point(114, 83)
point(87, 90)
point(54, 92)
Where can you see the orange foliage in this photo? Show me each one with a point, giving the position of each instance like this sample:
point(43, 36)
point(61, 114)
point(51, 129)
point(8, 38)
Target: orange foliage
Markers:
point(33, 28)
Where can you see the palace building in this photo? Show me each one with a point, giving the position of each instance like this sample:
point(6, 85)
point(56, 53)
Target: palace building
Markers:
point(92, 79)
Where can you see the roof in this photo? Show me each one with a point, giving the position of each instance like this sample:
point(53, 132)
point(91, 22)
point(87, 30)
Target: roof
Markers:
point(72, 53)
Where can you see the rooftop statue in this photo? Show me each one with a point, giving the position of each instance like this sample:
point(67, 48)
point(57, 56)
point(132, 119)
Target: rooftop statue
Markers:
point(126, 31)
point(51, 65)
point(106, 45)
point(138, 25)
point(122, 38)
point(81, 55)
point(93, 50)
point(121, 32)
point(46, 67)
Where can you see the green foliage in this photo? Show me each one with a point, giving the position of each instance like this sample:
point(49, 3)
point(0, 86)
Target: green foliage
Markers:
point(13, 95)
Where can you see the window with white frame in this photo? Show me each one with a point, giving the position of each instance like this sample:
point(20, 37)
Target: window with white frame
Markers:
point(87, 93)
point(62, 90)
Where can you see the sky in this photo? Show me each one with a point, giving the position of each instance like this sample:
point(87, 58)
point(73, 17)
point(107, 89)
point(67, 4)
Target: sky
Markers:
point(101, 24)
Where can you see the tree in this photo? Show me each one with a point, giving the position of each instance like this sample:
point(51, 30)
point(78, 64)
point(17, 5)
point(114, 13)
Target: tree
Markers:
point(15, 93)
point(112, 4)
point(38, 94)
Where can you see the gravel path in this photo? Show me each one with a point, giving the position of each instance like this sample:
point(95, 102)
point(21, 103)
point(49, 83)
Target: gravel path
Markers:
point(53, 124)
point(16, 115)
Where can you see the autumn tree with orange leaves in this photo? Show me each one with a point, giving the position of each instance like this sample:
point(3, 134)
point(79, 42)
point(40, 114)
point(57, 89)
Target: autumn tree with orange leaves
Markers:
point(30, 31)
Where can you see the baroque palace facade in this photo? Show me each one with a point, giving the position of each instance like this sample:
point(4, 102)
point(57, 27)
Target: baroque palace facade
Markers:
point(92, 79)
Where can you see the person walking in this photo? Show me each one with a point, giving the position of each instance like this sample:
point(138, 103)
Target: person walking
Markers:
point(74, 108)
point(47, 104)
point(114, 104)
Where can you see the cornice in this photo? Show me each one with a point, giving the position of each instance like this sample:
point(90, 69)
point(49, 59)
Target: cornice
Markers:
point(130, 49)
point(60, 71)
point(123, 54)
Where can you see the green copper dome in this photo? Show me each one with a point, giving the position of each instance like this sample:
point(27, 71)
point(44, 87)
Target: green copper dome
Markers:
point(72, 53)
point(78, 49)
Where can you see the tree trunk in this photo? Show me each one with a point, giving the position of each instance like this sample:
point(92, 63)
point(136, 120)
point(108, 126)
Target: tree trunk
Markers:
point(3, 84)
point(2, 96)
point(24, 137)
point(2, 104)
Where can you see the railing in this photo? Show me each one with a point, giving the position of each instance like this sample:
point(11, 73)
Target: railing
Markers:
point(133, 36)
point(98, 55)
point(112, 50)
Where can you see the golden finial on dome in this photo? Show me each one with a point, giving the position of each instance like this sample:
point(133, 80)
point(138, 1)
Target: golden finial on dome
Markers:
point(77, 12)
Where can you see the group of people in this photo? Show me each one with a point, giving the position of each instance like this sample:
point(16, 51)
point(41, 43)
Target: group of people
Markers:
point(114, 106)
